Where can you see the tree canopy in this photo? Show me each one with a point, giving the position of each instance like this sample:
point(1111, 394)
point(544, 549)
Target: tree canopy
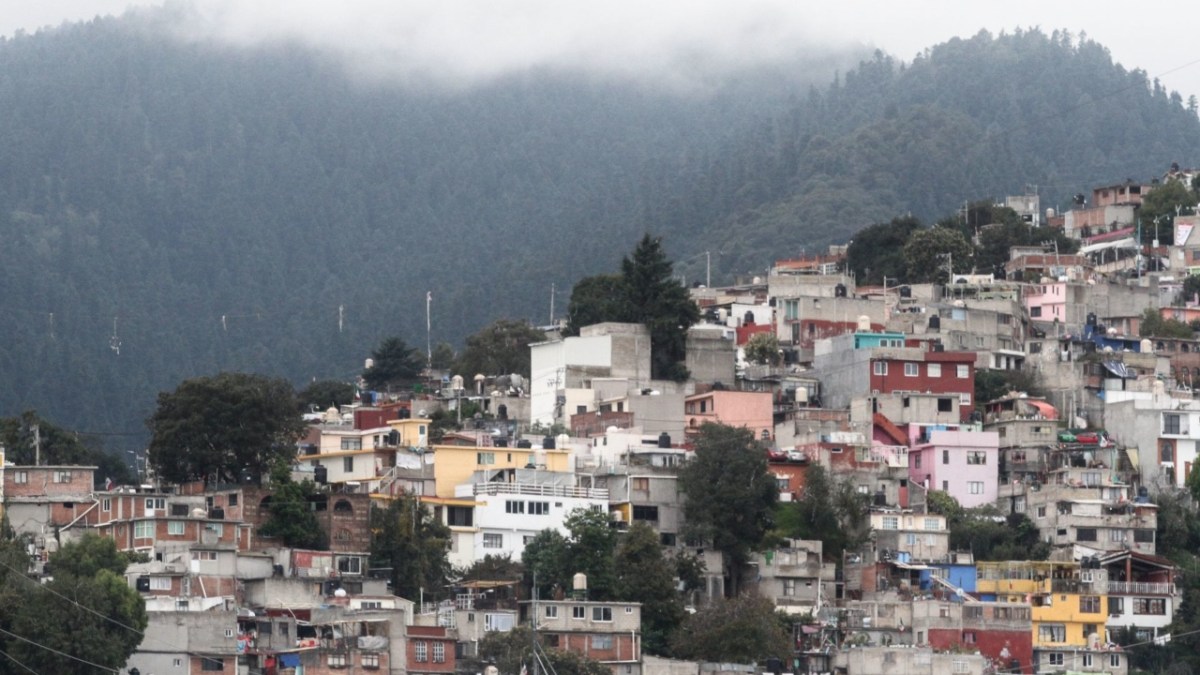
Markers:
point(644, 575)
point(743, 629)
point(292, 519)
point(19, 434)
point(500, 348)
point(644, 292)
point(928, 253)
point(395, 363)
point(223, 426)
point(728, 494)
point(413, 544)
point(511, 650)
point(877, 251)
point(830, 510)
point(322, 394)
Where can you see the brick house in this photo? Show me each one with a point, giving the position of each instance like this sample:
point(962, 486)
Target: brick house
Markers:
point(609, 632)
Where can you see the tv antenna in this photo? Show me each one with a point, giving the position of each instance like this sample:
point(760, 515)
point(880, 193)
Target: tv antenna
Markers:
point(114, 342)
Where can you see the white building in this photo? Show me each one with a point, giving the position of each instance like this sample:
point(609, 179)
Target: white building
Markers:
point(563, 370)
point(509, 512)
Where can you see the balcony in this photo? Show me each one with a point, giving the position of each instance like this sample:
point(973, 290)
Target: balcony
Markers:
point(531, 490)
point(1140, 588)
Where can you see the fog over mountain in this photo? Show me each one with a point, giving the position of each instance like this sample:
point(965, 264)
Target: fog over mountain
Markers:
point(183, 192)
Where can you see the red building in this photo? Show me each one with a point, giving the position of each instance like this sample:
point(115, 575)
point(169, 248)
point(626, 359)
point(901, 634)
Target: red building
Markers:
point(430, 650)
point(926, 371)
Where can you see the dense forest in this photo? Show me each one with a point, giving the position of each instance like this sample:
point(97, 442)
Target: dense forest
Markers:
point(172, 208)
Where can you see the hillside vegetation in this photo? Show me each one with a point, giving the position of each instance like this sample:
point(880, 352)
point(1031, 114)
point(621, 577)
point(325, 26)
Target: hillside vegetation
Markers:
point(172, 209)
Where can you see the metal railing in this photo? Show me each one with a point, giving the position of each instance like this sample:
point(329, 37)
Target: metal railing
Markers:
point(527, 489)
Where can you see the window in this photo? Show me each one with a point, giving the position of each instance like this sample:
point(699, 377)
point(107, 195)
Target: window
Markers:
point(602, 642)
point(645, 513)
point(485, 458)
point(641, 484)
point(578, 612)
point(551, 611)
point(204, 555)
point(500, 623)
point(175, 528)
point(539, 508)
point(879, 367)
point(232, 499)
point(366, 604)
point(917, 460)
point(789, 587)
point(370, 661)
point(514, 506)
point(143, 529)
point(962, 666)
point(1167, 453)
point(1089, 604)
point(155, 504)
point(349, 565)
point(891, 523)
point(1143, 536)
point(62, 476)
point(106, 504)
point(972, 612)
point(491, 540)
point(963, 371)
point(160, 583)
point(976, 457)
point(602, 614)
point(1055, 658)
point(1154, 606)
point(964, 399)
point(1052, 632)
point(933, 369)
point(351, 444)
point(460, 516)
point(911, 370)
point(975, 487)
point(420, 651)
point(1116, 536)
point(1035, 312)
point(20, 477)
point(1083, 533)
point(791, 309)
point(1173, 424)
point(439, 652)
point(207, 664)
point(945, 457)
point(178, 663)
point(347, 464)
point(1114, 660)
point(933, 524)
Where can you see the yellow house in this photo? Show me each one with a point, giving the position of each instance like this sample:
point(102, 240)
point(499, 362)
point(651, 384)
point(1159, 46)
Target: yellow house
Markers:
point(1064, 612)
point(453, 465)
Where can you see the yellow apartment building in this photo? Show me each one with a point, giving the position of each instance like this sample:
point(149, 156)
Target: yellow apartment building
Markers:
point(1064, 612)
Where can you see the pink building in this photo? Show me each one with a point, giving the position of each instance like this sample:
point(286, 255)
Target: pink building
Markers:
point(753, 410)
point(1047, 302)
point(962, 463)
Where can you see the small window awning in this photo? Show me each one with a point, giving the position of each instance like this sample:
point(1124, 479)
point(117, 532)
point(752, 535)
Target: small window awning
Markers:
point(1045, 409)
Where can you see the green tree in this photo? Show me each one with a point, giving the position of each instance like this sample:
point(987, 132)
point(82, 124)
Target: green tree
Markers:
point(87, 556)
point(106, 635)
point(443, 356)
point(20, 434)
point(728, 494)
point(1190, 291)
point(992, 384)
point(509, 651)
point(644, 575)
point(876, 251)
point(219, 427)
point(493, 568)
point(645, 293)
point(763, 349)
point(394, 364)
point(547, 558)
point(292, 519)
point(591, 546)
point(743, 629)
point(597, 299)
point(1160, 206)
point(322, 394)
point(830, 510)
point(410, 541)
point(1154, 325)
point(927, 251)
point(501, 348)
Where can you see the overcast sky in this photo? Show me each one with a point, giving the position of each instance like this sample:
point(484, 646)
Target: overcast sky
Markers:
point(481, 38)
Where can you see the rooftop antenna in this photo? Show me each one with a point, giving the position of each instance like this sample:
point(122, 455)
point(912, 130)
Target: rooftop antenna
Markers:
point(114, 342)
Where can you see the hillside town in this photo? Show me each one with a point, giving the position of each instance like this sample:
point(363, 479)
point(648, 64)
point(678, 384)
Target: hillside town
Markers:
point(1086, 419)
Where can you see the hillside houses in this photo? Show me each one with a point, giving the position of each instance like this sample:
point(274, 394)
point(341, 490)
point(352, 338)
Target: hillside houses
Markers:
point(878, 387)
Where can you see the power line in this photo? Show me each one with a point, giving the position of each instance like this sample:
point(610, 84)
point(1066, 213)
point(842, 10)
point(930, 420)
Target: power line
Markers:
point(115, 671)
point(14, 660)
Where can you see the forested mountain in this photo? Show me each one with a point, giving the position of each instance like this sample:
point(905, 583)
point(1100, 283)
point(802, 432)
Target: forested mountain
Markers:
point(172, 208)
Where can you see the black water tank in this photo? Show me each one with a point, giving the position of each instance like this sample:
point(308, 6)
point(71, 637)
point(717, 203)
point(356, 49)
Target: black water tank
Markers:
point(748, 320)
point(880, 498)
point(502, 411)
point(906, 291)
point(524, 444)
point(548, 443)
point(405, 413)
point(321, 475)
point(500, 442)
point(839, 291)
point(664, 440)
point(393, 437)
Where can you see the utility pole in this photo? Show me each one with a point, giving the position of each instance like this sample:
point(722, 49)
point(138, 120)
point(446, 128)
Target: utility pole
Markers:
point(707, 269)
point(551, 303)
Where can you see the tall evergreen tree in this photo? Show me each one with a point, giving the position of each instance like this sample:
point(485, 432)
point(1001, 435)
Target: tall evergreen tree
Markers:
point(410, 541)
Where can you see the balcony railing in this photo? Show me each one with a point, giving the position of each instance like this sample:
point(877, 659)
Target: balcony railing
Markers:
point(1140, 588)
point(492, 489)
